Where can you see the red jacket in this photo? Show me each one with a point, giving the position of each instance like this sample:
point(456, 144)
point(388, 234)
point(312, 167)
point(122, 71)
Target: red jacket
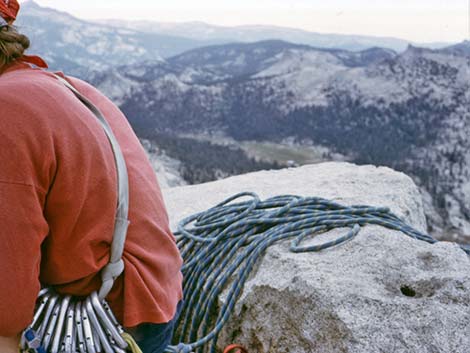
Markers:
point(58, 202)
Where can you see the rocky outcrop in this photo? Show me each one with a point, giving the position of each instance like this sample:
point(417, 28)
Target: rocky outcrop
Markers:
point(380, 292)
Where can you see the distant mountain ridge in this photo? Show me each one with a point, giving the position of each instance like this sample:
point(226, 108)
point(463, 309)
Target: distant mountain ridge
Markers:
point(256, 33)
point(410, 111)
point(78, 46)
point(462, 49)
point(245, 59)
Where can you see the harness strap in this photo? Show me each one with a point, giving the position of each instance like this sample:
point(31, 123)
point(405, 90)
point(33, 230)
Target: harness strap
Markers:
point(116, 265)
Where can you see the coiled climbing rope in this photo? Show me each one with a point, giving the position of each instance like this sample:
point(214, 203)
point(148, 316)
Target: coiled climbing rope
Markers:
point(227, 240)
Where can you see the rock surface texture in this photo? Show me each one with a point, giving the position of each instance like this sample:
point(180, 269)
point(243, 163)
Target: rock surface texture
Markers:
point(380, 292)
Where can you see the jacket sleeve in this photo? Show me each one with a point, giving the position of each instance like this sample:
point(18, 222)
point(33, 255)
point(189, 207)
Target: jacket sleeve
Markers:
point(22, 229)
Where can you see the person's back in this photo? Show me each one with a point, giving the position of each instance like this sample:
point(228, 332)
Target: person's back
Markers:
point(58, 191)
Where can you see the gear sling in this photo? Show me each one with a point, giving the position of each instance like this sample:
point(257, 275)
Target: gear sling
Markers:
point(63, 323)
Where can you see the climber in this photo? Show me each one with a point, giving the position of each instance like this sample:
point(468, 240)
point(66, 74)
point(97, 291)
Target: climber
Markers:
point(58, 202)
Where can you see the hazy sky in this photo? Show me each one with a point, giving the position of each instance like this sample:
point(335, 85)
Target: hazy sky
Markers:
point(417, 20)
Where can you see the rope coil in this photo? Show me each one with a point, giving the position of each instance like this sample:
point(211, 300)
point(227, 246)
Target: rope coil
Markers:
point(226, 241)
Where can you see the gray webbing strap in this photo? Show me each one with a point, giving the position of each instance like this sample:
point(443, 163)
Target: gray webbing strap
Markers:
point(116, 265)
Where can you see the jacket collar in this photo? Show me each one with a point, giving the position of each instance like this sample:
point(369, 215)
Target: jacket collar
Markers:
point(24, 63)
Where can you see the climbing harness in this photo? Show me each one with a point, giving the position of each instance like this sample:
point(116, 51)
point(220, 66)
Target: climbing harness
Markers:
point(226, 241)
point(67, 324)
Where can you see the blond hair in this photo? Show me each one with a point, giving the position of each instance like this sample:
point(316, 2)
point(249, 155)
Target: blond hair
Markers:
point(12, 44)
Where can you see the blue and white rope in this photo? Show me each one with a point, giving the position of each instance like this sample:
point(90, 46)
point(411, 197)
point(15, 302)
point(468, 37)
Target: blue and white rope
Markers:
point(227, 240)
